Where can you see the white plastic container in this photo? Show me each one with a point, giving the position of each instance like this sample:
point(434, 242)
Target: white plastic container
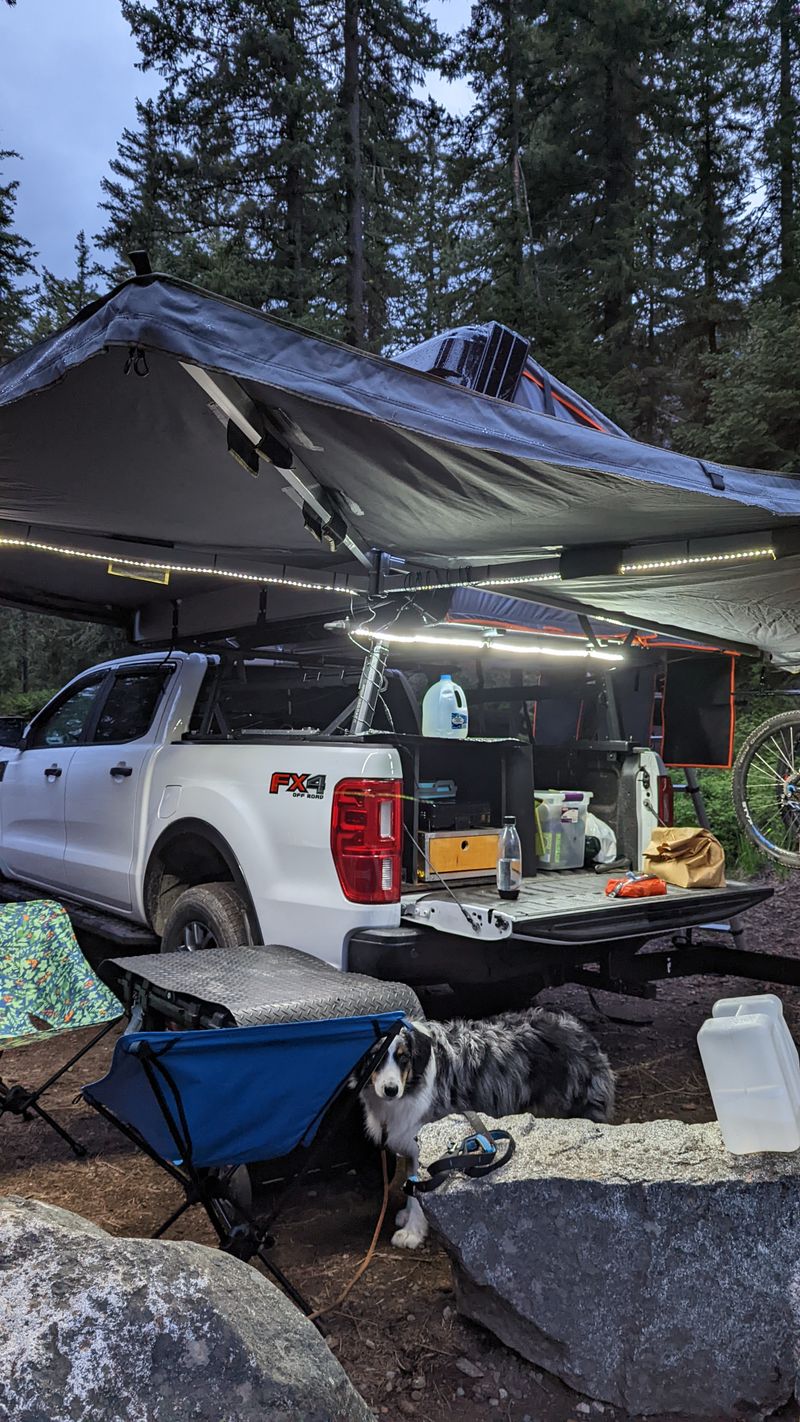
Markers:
point(444, 710)
point(753, 1072)
point(561, 828)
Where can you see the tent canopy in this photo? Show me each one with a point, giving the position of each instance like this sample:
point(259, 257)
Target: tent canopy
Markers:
point(116, 436)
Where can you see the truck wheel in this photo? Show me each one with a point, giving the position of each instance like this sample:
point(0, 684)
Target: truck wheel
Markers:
point(206, 916)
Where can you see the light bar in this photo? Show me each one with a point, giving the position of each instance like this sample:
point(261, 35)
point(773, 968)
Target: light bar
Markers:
point(691, 559)
point(153, 566)
point(489, 643)
point(482, 582)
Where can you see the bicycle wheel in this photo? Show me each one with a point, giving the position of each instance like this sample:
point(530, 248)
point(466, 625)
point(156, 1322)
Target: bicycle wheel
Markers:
point(766, 788)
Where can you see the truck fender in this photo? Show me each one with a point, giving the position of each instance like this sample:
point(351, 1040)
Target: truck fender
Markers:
point(187, 853)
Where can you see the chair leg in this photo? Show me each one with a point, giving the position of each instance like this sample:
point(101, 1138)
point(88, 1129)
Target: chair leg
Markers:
point(288, 1287)
point(80, 1150)
point(176, 1214)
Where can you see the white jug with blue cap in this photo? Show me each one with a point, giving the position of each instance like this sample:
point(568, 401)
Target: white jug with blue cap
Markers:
point(444, 710)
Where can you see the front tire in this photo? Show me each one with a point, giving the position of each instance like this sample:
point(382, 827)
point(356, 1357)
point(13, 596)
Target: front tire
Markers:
point(206, 916)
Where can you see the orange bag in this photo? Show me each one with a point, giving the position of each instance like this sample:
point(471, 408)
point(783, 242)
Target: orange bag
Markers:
point(636, 886)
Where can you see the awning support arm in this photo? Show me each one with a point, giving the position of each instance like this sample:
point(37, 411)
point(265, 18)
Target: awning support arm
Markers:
point(229, 397)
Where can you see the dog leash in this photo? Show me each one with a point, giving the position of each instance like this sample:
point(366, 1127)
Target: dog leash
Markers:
point(477, 1155)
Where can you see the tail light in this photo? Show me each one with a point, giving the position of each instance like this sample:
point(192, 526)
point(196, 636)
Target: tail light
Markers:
point(666, 800)
point(366, 839)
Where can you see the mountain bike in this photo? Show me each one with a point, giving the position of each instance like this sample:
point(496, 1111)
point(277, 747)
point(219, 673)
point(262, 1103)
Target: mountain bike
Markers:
point(766, 786)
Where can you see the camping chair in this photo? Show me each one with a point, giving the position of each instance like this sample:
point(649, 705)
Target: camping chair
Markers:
point(46, 988)
point(200, 1103)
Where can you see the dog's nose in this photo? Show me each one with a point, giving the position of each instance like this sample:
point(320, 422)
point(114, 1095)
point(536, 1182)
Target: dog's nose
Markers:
point(390, 1090)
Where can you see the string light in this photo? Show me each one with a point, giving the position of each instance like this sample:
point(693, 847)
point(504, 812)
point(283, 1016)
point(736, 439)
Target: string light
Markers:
point(658, 566)
point(151, 565)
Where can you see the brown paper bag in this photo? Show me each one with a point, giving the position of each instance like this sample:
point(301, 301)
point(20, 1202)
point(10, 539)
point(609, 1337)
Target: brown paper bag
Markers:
point(692, 858)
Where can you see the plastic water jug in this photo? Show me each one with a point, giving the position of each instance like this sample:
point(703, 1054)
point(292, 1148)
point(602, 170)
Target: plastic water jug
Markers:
point(753, 1073)
point(444, 710)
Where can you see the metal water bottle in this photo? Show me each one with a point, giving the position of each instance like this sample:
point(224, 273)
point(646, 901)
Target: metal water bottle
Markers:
point(509, 860)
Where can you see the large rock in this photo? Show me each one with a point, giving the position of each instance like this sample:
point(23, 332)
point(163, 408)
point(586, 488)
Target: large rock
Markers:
point(640, 1263)
point(97, 1329)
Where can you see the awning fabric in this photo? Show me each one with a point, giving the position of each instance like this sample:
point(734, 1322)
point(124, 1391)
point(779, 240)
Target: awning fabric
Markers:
point(114, 438)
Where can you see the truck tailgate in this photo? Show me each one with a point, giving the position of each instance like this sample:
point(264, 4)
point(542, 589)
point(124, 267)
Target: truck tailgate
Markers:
point(572, 907)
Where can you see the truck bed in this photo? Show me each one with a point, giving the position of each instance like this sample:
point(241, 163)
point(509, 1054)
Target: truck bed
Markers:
point(572, 907)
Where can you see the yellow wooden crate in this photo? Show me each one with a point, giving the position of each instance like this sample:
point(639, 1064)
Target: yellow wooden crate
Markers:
point(459, 852)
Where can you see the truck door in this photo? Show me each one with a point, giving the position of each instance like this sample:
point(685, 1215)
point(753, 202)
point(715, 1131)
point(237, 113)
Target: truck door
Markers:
point(103, 785)
point(33, 791)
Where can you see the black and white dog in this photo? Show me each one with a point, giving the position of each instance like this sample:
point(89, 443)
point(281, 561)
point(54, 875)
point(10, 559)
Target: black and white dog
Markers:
point(536, 1061)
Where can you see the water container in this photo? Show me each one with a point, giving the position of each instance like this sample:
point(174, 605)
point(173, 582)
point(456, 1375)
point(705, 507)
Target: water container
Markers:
point(444, 710)
point(509, 860)
point(753, 1074)
point(561, 828)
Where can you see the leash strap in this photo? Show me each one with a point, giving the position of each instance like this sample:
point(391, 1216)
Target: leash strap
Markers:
point(478, 1155)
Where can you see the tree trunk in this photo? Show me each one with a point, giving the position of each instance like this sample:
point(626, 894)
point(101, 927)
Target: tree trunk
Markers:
point(294, 194)
point(785, 127)
point(510, 65)
point(354, 176)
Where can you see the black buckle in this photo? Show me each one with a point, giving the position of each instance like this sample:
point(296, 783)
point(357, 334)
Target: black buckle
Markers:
point(477, 1156)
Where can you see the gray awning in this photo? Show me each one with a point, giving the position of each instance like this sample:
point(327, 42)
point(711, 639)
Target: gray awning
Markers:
point(114, 450)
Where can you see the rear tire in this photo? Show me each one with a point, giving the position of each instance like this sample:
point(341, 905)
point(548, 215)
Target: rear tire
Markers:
point(206, 916)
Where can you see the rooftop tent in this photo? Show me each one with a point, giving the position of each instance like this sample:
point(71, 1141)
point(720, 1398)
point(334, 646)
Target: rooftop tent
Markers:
point(169, 448)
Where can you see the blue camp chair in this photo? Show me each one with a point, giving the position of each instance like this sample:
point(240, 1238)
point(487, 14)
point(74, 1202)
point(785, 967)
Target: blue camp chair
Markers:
point(200, 1103)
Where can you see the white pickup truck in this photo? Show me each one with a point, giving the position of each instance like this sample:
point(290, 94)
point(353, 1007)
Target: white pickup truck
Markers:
point(218, 801)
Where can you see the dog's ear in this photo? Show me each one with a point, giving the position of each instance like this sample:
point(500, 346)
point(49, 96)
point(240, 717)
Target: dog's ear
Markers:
point(421, 1048)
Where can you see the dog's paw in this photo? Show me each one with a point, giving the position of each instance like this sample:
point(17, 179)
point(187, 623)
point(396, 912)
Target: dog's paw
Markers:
point(409, 1237)
point(402, 1216)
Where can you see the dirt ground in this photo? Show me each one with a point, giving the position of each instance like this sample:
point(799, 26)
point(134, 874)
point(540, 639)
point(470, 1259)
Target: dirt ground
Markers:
point(398, 1335)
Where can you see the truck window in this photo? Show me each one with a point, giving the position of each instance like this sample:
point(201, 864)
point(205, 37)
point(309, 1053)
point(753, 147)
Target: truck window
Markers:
point(64, 725)
point(130, 705)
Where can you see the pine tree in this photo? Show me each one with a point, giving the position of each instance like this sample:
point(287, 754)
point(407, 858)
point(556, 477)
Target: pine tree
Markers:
point(16, 264)
point(60, 298)
point(427, 254)
point(371, 186)
point(754, 396)
point(141, 197)
point(240, 118)
point(779, 101)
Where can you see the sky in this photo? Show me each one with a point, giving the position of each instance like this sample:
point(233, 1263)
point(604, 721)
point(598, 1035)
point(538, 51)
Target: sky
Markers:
point(68, 83)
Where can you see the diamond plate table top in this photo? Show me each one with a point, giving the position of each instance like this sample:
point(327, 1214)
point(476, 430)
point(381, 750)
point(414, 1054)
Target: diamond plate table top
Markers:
point(268, 983)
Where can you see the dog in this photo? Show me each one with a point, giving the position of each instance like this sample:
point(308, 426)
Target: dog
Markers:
point(536, 1061)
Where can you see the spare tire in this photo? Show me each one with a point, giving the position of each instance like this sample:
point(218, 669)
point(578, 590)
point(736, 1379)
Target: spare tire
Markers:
point(206, 916)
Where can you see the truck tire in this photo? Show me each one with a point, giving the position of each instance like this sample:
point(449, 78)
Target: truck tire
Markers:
point(206, 916)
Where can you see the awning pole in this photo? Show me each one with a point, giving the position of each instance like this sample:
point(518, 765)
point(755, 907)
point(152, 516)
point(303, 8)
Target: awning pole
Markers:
point(369, 688)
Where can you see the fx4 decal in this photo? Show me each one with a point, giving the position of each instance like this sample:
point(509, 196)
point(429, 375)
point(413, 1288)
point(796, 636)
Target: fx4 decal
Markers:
point(312, 786)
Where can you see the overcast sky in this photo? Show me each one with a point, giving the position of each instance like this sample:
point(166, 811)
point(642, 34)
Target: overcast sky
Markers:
point(68, 82)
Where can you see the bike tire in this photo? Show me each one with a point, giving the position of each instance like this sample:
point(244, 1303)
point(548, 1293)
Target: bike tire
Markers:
point(788, 722)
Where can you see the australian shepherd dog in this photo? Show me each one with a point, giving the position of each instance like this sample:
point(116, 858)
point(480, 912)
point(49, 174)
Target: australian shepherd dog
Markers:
point(544, 1063)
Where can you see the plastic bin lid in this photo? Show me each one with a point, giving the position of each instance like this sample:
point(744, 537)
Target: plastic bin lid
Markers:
point(561, 797)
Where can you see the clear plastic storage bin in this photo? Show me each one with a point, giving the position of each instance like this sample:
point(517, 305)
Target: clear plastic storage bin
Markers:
point(561, 828)
point(753, 1073)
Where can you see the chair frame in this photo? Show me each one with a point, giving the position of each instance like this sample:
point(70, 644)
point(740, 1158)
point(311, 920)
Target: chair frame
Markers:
point(20, 1101)
point(238, 1232)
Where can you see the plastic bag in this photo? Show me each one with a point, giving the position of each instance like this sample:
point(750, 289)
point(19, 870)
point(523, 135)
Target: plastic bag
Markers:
point(599, 830)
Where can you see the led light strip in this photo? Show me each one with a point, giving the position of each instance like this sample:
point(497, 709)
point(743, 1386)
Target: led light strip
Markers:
point(481, 582)
point(150, 565)
point(495, 643)
point(657, 566)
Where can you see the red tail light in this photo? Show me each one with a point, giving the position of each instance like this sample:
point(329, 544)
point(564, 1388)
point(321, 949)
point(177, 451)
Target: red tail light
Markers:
point(666, 800)
point(366, 839)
